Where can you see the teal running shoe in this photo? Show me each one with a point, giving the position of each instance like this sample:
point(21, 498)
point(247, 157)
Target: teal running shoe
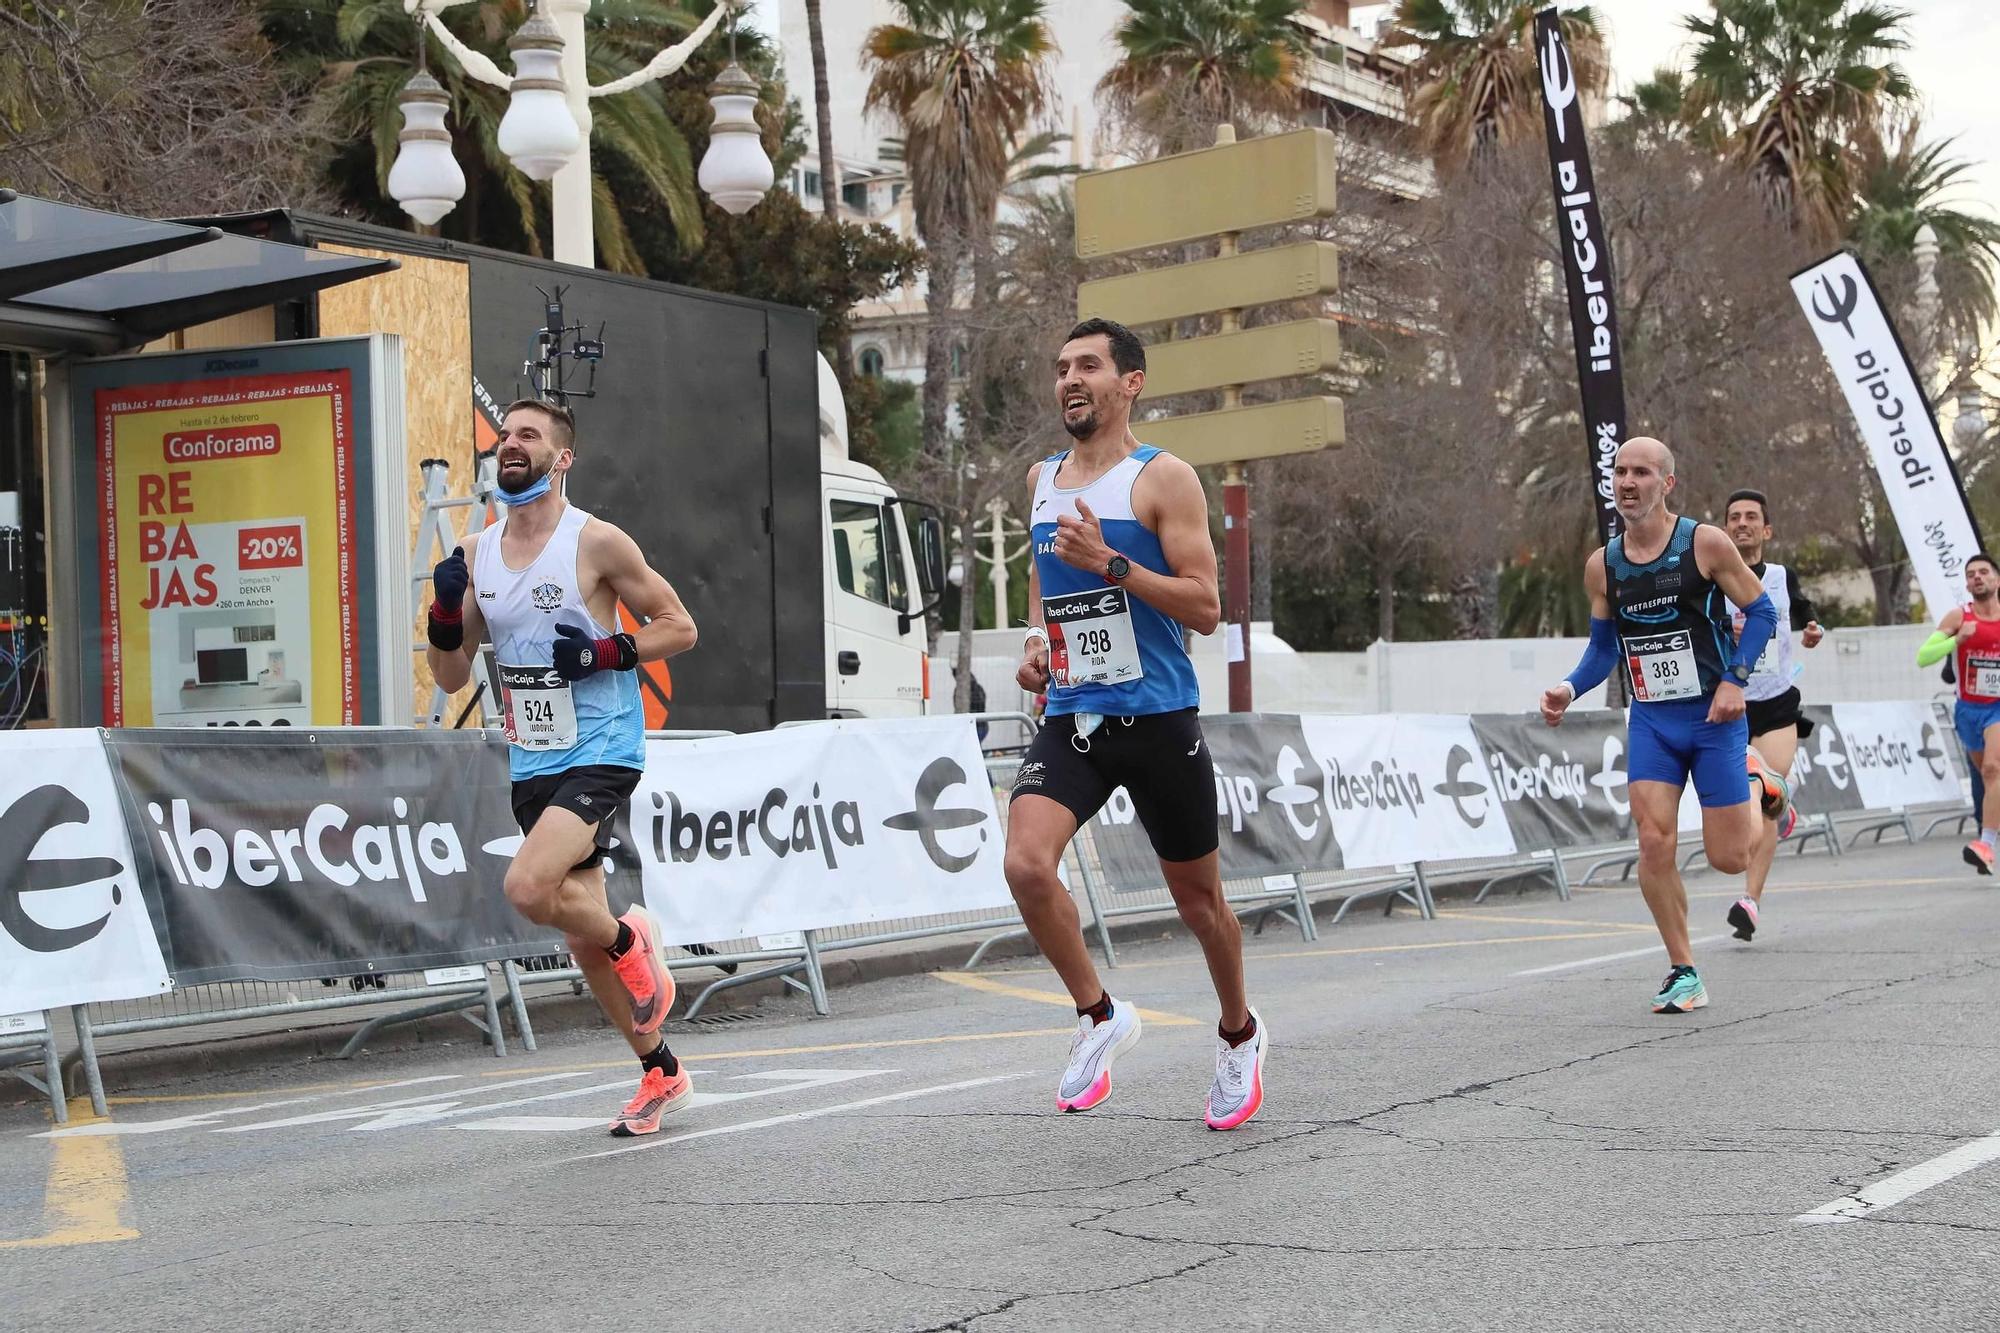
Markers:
point(1680, 992)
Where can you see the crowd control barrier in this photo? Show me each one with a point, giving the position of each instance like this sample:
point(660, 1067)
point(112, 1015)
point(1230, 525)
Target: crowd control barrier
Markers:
point(193, 877)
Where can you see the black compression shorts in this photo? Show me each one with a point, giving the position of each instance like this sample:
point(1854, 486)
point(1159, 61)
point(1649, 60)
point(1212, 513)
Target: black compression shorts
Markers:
point(592, 793)
point(1159, 759)
point(1775, 713)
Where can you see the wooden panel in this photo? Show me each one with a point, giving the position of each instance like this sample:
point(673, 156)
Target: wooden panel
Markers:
point(1234, 435)
point(427, 301)
point(1231, 187)
point(1153, 296)
point(1269, 352)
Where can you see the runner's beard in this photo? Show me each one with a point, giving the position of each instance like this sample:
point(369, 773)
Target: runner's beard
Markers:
point(1082, 428)
point(535, 474)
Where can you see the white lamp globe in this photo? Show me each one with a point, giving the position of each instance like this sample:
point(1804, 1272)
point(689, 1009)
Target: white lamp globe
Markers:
point(538, 134)
point(426, 179)
point(734, 171)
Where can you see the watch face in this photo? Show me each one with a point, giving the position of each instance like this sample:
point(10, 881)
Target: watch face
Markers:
point(1119, 567)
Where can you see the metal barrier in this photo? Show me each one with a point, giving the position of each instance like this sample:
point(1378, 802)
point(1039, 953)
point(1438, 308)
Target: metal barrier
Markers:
point(21, 1045)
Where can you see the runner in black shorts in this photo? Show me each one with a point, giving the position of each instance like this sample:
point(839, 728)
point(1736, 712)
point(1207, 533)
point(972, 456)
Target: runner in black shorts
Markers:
point(1123, 567)
point(1770, 701)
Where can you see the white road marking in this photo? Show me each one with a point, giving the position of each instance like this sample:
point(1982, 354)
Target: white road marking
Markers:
point(391, 1110)
point(796, 1116)
point(793, 1080)
point(1888, 1193)
point(107, 1128)
point(1610, 957)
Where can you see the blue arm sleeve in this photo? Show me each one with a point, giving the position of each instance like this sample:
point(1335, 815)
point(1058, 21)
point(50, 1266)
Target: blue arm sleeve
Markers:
point(1599, 656)
point(1760, 622)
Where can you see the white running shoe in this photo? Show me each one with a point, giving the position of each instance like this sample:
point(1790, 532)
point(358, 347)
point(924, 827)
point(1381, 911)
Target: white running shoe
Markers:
point(1238, 1090)
point(1086, 1080)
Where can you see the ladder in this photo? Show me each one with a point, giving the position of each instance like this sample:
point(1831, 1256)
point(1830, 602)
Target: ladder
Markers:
point(436, 540)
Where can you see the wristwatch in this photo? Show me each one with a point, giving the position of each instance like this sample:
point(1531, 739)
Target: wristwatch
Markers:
point(1740, 674)
point(1118, 569)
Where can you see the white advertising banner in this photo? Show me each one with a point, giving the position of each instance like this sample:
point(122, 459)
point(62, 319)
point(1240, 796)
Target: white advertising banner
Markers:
point(807, 828)
point(1894, 417)
point(1897, 753)
point(73, 925)
point(1412, 787)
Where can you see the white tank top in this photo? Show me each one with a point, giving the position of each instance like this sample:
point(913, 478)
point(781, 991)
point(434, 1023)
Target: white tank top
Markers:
point(552, 725)
point(1773, 675)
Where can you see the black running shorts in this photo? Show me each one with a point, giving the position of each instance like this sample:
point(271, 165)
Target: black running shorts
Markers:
point(592, 793)
point(1775, 713)
point(1159, 759)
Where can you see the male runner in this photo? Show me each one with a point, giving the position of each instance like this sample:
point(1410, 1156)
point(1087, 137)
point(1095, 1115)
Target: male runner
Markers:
point(1122, 563)
point(1771, 701)
point(1972, 632)
point(1664, 578)
point(547, 581)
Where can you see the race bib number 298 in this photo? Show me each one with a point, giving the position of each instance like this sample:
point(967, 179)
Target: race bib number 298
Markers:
point(1092, 640)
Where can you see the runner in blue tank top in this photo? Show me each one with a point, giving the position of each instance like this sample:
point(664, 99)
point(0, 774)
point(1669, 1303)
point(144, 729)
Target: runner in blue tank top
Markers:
point(1123, 568)
point(1667, 577)
point(546, 586)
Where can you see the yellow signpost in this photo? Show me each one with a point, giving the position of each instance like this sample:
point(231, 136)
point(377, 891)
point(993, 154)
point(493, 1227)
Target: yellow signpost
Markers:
point(1217, 193)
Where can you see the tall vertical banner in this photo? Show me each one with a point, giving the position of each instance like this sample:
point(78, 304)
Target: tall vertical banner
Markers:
point(239, 538)
point(1894, 416)
point(1586, 252)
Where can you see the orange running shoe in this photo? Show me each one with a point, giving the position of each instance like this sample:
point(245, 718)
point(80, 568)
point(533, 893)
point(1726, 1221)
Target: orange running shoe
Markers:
point(658, 1095)
point(643, 969)
point(1979, 856)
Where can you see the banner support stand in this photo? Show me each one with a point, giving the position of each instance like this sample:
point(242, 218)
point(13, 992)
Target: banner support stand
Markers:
point(93, 1077)
point(519, 1004)
point(815, 978)
point(1096, 908)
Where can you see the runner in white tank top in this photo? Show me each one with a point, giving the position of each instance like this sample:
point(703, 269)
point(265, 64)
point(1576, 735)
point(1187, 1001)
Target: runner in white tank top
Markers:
point(546, 585)
point(1771, 700)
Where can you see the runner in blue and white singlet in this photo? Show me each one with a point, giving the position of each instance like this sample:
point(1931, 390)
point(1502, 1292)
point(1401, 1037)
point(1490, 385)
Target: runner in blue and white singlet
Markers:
point(546, 584)
point(1123, 570)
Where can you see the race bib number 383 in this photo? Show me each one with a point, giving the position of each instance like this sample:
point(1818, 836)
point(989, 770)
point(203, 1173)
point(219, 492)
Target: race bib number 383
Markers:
point(1092, 640)
point(1663, 667)
point(540, 713)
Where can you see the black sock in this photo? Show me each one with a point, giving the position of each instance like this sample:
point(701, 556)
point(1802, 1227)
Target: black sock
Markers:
point(1241, 1035)
point(661, 1059)
point(622, 943)
point(1099, 1012)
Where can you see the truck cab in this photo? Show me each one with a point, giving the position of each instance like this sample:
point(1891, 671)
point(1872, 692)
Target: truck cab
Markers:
point(884, 566)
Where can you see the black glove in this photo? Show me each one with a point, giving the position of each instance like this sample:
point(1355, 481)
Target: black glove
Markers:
point(578, 655)
point(449, 580)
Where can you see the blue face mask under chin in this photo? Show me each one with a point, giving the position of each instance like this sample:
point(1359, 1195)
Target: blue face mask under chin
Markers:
point(534, 492)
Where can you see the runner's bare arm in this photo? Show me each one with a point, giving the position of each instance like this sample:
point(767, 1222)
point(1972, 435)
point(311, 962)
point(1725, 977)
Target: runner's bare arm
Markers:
point(1168, 499)
point(1033, 672)
point(666, 629)
point(453, 670)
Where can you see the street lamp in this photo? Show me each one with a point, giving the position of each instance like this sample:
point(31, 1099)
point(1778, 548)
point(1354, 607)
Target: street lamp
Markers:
point(546, 131)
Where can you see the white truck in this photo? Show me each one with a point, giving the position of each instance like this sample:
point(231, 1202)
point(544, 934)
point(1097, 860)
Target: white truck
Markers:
point(884, 565)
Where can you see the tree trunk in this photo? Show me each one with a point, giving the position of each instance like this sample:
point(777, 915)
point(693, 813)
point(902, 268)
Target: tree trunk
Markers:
point(1475, 603)
point(1263, 540)
point(1892, 592)
point(1385, 601)
point(829, 169)
point(968, 608)
point(940, 332)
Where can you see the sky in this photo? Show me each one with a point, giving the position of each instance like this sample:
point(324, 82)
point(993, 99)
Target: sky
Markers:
point(1953, 59)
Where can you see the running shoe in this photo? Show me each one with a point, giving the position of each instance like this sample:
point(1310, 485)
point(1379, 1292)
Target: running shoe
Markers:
point(1743, 916)
point(1979, 856)
point(1086, 1080)
point(1773, 792)
point(1789, 822)
point(1680, 992)
point(658, 1095)
point(643, 969)
point(1238, 1090)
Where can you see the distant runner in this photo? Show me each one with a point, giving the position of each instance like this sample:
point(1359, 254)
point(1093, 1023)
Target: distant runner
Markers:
point(1972, 633)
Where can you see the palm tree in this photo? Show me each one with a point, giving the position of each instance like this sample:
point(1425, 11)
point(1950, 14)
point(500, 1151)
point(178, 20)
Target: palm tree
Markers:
point(1903, 186)
point(359, 54)
point(1474, 84)
point(1804, 84)
point(1190, 65)
point(963, 78)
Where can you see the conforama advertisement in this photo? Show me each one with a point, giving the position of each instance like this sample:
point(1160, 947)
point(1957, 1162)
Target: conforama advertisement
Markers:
point(234, 565)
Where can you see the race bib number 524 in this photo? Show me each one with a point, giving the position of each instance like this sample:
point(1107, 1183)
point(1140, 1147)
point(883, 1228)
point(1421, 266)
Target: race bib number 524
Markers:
point(540, 714)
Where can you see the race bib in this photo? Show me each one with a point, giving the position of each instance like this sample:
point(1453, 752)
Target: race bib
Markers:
point(1092, 640)
point(537, 707)
point(1983, 675)
point(1662, 667)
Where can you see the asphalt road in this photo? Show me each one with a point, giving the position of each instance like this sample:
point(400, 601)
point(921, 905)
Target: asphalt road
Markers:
point(1469, 1123)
